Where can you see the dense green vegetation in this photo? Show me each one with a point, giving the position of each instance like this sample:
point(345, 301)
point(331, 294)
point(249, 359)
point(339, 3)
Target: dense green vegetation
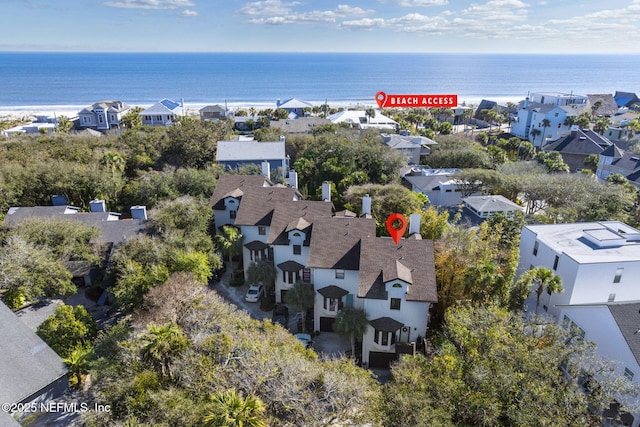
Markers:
point(181, 356)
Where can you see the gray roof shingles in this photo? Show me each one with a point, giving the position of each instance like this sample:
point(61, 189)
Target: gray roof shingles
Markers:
point(27, 364)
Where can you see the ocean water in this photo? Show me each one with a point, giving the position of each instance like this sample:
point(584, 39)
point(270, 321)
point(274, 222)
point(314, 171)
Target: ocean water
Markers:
point(30, 80)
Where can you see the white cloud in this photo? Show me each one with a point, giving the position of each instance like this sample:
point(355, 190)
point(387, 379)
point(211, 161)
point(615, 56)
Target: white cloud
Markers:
point(189, 13)
point(267, 7)
point(149, 4)
point(283, 13)
point(364, 24)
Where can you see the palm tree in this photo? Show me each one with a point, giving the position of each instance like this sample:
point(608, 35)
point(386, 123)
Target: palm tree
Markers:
point(302, 296)
point(230, 242)
point(545, 124)
point(534, 133)
point(113, 161)
point(544, 279)
point(78, 362)
point(369, 113)
point(162, 344)
point(351, 323)
point(230, 409)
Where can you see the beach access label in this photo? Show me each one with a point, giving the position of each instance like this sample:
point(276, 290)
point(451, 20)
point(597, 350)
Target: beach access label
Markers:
point(409, 101)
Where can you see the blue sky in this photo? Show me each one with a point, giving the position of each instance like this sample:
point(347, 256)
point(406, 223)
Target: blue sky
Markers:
point(494, 26)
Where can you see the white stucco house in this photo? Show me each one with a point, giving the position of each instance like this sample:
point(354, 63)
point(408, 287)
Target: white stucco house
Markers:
point(103, 115)
point(614, 329)
point(162, 113)
point(490, 205)
point(597, 261)
point(342, 259)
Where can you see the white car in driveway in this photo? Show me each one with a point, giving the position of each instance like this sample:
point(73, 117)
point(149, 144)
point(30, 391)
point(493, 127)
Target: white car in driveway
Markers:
point(254, 293)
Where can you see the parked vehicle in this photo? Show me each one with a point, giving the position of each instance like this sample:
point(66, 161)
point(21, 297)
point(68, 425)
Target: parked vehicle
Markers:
point(255, 292)
point(305, 339)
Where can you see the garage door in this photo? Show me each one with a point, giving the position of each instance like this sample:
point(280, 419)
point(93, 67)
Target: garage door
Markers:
point(326, 324)
point(379, 359)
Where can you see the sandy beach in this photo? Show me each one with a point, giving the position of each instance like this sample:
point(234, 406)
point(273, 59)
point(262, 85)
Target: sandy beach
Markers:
point(29, 112)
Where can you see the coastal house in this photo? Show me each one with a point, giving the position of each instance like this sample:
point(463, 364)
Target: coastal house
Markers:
point(489, 206)
point(359, 120)
point(393, 284)
point(245, 151)
point(113, 231)
point(340, 256)
point(577, 146)
point(295, 107)
point(212, 112)
point(550, 109)
point(30, 371)
point(614, 160)
point(597, 261)
point(411, 147)
point(439, 185)
point(103, 115)
point(162, 113)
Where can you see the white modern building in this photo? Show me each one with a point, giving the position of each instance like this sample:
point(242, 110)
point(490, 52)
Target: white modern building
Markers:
point(614, 329)
point(597, 261)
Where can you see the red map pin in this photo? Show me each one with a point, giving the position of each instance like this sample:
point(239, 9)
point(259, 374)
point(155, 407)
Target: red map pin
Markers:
point(381, 98)
point(396, 233)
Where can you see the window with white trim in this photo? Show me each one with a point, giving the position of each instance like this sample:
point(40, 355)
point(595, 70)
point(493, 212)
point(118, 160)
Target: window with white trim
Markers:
point(332, 304)
point(384, 338)
point(395, 304)
point(339, 274)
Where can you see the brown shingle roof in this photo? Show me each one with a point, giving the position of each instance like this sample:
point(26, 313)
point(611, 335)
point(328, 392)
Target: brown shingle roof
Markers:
point(386, 324)
point(332, 291)
point(411, 261)
point(257, 204)
point(335, 242)
point(286, 213)
point(228, 183)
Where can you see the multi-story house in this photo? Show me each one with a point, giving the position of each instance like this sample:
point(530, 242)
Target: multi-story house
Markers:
point(597, 261)
point(576, 146)
point(542, 118)
point(103, 115)
point(343, 260)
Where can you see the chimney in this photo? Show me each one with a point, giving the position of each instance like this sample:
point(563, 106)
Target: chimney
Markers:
point(414, 224)
point(282, 138)
point(326, 191)
point(526, 102)
point(266, 169)
point(293, 179)
point(366, 205)
point(138, 212)
point(97, 205)
point(59, 200)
